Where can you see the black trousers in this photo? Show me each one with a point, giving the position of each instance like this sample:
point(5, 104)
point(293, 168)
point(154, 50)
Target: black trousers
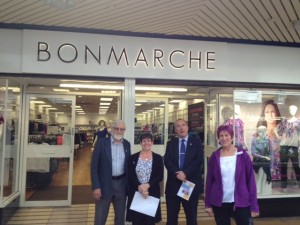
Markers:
point(139, 218)
point(242, 216)
point(173, 203)
point(286, 153)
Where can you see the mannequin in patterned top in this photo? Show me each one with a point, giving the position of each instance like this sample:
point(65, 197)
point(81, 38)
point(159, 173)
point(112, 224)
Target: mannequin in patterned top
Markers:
point(289, 132)
point(238, 127)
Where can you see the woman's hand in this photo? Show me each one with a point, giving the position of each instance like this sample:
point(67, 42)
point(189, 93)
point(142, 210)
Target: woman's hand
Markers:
point(143, 189)
point(209, 211)
point(255, 214)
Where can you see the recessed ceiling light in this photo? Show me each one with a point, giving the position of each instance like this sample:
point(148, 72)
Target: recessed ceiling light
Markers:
point(104, 103)
point(106, 99)
point(61, 90)
point(176, 100)
point(37, 102)
point(108, 92)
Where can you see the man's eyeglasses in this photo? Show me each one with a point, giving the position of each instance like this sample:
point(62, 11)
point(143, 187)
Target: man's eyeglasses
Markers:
point(119, 129)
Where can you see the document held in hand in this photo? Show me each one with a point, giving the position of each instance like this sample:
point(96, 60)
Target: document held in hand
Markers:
point(186, 190)
point(143, 205)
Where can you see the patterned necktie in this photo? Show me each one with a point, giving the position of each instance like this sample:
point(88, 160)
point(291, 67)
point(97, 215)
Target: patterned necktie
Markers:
point(182, 154)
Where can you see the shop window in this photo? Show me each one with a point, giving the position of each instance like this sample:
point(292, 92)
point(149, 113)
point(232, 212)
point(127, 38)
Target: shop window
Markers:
point(268, 125)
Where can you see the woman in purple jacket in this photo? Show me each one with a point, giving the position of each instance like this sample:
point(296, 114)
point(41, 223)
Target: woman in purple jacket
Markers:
point(230, 184)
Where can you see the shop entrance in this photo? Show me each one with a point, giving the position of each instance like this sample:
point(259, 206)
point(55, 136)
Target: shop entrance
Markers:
point(48, 148)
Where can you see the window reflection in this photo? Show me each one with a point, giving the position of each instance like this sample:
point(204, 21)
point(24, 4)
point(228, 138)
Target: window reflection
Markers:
point(150, 117)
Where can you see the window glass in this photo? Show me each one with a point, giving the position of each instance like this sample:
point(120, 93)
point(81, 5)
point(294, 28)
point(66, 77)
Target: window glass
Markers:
point(268, 124)
point(9, 129)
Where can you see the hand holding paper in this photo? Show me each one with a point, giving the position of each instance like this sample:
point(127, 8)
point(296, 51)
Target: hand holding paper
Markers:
point(143, 205)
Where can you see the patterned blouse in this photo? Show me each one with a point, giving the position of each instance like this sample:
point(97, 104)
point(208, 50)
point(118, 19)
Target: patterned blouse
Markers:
point(289, 133)
point(143, 170)
point(238, 131)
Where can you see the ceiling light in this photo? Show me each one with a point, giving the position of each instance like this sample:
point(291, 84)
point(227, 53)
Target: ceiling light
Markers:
point(152, 93)
point(108, 92)
point(37, 102)
point(104, 103)
point(106, 99)
point(103, 107)
point(92, 86)
point(195, 94)
point(176, 101)
point(14, 89)
point(141, 101)
point(77, 106)
point(51, 108)
point(82, 113)
point(137, 104)
point(118, 87)
point(46, 106)
point(61, 90)
point(146, 88)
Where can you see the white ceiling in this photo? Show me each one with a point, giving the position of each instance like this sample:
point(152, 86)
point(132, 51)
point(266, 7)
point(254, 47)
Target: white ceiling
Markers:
point(231, 20)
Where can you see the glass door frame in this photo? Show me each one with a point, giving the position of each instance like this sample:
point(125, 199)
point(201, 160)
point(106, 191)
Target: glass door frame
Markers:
point(65, 153)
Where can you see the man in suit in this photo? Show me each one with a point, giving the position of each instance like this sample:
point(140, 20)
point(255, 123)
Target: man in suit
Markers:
point(183, 160)
point(108, 174)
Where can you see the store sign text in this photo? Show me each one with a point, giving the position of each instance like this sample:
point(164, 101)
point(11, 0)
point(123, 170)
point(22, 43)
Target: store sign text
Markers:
point(178, 59)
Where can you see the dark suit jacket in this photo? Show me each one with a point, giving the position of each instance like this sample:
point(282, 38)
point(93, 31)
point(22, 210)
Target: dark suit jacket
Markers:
point(101, 165)
point(155, 178)
point(192, 167)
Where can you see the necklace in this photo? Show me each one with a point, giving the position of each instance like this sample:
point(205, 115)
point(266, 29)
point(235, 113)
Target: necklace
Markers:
point(146, 156)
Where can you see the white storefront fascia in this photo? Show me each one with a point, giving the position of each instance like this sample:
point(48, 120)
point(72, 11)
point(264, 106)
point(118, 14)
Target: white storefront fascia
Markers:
point(69, 53)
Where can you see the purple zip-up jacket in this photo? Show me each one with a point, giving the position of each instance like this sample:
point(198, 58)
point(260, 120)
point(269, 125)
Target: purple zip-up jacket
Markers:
point(245, 194)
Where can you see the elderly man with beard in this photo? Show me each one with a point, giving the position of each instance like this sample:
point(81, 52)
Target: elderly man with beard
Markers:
point(108, 174)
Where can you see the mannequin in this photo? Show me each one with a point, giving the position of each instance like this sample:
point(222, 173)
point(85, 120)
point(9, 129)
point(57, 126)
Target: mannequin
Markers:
point(289, 133)
point(237, 111)
point(101, 131)
point(260, 149)
point(238, 127)
point(293, 110)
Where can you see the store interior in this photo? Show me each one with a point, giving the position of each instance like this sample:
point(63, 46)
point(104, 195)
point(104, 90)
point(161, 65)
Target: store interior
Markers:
point(50, 119)
point(96, 101)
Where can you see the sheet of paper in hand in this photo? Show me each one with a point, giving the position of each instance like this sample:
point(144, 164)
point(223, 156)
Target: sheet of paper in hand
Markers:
point(143, 205)
point(186, 190)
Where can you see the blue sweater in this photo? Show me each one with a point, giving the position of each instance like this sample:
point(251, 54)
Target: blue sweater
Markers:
point(245, 194)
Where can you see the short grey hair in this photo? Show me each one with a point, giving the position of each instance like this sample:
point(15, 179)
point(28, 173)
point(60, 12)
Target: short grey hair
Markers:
point(118, 122)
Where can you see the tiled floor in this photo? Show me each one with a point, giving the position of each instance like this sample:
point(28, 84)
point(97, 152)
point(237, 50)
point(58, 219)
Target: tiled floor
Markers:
point(84, 215)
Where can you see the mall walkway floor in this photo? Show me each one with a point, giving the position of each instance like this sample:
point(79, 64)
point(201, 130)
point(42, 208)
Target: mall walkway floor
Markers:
point(84, 215)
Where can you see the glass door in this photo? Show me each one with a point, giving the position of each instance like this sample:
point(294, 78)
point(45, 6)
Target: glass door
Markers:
point(48, 150)
point(150, 116)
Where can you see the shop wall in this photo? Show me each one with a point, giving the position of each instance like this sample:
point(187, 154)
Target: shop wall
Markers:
point(10, 51)
point(259, 63)
point(227, 62)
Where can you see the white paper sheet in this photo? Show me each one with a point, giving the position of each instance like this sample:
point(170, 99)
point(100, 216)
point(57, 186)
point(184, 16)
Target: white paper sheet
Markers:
point(143, 205)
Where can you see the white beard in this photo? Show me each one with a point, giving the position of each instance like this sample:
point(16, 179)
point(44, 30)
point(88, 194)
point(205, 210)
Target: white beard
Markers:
point(117, 137)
